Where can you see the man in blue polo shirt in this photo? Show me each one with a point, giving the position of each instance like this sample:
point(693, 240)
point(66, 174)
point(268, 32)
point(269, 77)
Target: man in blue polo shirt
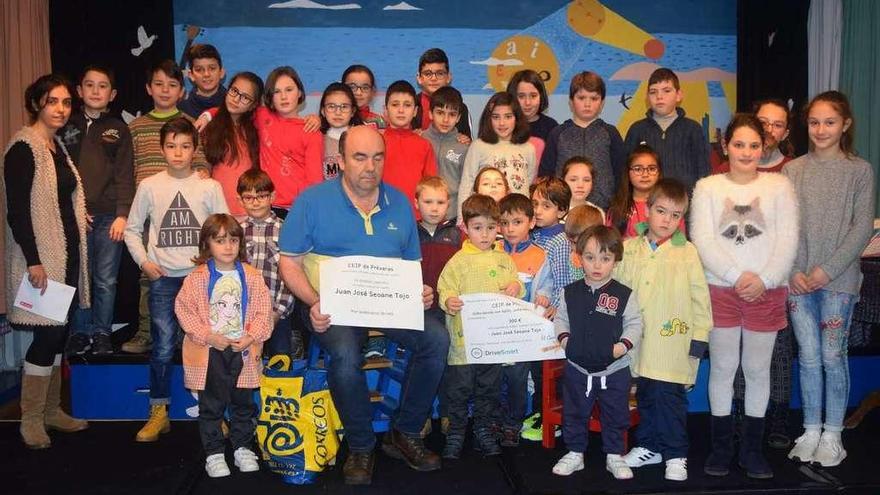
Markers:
point(358, 214)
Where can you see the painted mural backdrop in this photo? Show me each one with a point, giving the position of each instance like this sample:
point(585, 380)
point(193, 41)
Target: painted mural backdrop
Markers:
point(486, 41)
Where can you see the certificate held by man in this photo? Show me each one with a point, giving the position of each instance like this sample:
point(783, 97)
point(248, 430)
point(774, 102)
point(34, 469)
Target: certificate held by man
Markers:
point(502, 329)
point(366, 291)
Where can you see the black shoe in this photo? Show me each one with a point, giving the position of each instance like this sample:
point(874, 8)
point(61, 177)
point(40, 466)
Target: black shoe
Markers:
point(751, 455)
point(454, 444)
point(78, 344)
point(718, 462)
point(778, 437)
point(510, 437)
point(486, 441)
point(101, 344)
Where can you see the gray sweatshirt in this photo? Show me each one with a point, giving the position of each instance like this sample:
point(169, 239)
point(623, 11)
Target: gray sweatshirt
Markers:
point(450, 156)
point(836, 198)
point(176, 209)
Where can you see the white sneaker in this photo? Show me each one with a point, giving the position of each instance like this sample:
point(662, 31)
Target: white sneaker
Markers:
point(640, 456)
point(677, 469)
point(570, 462)
point(615, 465)
point(830, 451)
point(216, 466)
point(245, 460)
point(805, 446)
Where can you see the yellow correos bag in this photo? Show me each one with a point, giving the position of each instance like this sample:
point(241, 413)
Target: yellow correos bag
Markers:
point(297, 426)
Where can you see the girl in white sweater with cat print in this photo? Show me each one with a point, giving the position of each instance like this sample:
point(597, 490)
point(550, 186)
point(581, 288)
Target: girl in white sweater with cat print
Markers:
point(745, 227)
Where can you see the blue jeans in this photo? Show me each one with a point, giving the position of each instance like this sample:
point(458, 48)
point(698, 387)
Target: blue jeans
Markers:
point(348, 384)
point(164, 330)
point(517, 377)
point(104, 256)
point(821, 322)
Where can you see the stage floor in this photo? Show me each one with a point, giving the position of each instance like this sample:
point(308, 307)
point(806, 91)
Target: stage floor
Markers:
point(106, 460)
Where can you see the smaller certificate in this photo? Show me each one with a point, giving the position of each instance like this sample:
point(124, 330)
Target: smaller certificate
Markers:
point(366, 291)
point(52, 305)
point(502, 329)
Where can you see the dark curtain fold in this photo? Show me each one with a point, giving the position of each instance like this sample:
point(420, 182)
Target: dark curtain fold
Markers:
point(772, 57)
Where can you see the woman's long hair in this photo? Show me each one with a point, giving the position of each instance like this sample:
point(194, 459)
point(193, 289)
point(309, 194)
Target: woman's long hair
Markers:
point(221, 135)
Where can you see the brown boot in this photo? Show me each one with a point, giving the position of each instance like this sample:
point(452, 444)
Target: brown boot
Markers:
point(57, 419)
point(33, 406)
point(410, 450)
point(358, 468)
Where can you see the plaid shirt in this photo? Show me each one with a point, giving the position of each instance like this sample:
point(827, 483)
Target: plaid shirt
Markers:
point(261, 245)
point(558, 249)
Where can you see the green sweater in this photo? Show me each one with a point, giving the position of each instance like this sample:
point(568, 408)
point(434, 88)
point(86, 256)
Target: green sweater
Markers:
point(676, 311)
point(471, 271)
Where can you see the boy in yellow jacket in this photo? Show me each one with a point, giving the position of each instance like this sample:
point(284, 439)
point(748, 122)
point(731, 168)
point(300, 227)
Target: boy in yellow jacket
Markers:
point(664, 269)
point(476, 267)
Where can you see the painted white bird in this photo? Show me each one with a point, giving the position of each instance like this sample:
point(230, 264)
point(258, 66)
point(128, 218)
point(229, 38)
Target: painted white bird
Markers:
point(144, 41)
point(127, 117)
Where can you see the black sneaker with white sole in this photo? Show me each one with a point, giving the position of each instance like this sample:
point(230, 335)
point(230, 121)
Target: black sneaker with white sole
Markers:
point(101, 344)
point(78, 344)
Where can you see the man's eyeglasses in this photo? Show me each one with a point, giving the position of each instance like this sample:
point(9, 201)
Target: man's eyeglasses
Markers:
point(244, 97)
point(776, 126)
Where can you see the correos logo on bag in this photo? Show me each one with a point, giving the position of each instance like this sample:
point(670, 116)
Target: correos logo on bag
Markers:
point(282, 436)
point(297, 424)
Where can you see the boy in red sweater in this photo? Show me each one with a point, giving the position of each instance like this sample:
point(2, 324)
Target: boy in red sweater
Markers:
point(408, 156)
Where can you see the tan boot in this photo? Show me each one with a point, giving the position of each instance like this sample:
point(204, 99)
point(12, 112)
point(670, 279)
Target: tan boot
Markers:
point(33, 406)
point(56, 419)
point(141, 343)
point(157, 424)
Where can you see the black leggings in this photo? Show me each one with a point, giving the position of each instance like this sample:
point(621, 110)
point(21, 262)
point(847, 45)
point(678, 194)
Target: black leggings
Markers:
point(49, 340)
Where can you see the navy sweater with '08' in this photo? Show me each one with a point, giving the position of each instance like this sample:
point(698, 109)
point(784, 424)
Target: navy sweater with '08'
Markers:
point(596, 318)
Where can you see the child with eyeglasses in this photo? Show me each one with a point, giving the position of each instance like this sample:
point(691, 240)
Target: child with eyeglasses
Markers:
point(338, 110)
point(629, 207)
point(231, 143)
point(434, 74)
point(291, 149)
point(256, 192)
point(360, 79)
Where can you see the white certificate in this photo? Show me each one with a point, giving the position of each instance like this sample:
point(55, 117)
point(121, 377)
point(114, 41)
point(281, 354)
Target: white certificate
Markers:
point(52, 305)
point(502, 329)
point(365, 291)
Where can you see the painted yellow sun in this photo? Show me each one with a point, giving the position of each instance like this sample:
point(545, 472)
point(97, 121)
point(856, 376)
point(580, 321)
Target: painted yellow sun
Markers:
point(522, 52)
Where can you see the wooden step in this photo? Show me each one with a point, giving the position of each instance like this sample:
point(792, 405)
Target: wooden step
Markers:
point(375, 363)
point(375, 333)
